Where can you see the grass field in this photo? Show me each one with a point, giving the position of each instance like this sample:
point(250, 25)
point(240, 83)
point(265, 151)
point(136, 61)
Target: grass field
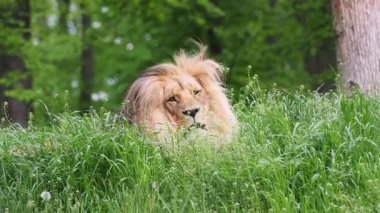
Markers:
point(296, 152)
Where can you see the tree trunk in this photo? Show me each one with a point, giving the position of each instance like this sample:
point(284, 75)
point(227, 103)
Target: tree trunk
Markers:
point(87, 70)
point(63, 13)
point(357, 32)
point(272, 3)
point(215, 46)
point(17, 111)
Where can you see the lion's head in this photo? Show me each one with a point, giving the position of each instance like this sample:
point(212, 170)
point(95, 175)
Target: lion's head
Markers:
point(188, 93)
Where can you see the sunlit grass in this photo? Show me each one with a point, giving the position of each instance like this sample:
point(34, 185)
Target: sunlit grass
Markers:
point(296, 152)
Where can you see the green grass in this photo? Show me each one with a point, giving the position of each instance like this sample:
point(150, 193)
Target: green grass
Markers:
point(296, 152)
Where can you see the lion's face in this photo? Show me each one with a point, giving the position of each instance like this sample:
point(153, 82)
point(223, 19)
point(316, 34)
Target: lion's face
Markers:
point(185, 101)
point(186, 94)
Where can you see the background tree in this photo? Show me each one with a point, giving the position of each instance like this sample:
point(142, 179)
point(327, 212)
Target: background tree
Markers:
point(357, 33)
point(63, 7)
point(284, 42)
point(12, 64)
point(87, 58)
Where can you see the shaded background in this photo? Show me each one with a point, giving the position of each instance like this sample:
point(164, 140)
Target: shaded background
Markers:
point(57, 55)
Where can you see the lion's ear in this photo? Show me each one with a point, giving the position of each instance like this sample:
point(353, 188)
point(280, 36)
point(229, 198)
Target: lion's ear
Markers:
point(215, 70)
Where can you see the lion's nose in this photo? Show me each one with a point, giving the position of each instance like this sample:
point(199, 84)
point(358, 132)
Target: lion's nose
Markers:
point(191, 112)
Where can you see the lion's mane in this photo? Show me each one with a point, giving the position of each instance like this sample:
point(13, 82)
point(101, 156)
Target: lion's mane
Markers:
point(144, 101)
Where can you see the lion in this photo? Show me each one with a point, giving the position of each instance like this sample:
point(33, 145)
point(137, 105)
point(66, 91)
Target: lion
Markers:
point(188, 94)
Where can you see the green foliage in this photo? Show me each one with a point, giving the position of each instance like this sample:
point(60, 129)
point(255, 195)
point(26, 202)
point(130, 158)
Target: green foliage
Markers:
point(284, 42)
point(297, 151)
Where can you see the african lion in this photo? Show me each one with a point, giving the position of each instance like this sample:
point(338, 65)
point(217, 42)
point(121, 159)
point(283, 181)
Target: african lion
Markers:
point(186, 94)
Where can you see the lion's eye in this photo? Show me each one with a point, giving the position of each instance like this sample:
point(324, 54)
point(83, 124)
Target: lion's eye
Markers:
point(196, 92)
point(172, 99)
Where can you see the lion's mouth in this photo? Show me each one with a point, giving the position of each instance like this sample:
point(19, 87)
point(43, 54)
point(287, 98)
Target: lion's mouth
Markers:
point(198, 126)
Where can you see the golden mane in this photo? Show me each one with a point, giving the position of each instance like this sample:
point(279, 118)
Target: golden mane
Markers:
point(164, 96)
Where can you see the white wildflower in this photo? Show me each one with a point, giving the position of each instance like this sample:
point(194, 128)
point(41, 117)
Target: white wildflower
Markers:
point(99, 96)
point(96, 24)
point(155, 186)
point(30, 204)
point(104, 9)
point(117, 40)
point(147, 36)
point(45, 195)
point(129, 46)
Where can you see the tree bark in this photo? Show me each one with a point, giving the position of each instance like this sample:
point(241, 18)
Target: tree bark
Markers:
point(215, 46)
point(87, 69)
point(357, 37)
point(17, 111)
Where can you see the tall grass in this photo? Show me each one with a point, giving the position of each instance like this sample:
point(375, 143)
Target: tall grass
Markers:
point(296, 152)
